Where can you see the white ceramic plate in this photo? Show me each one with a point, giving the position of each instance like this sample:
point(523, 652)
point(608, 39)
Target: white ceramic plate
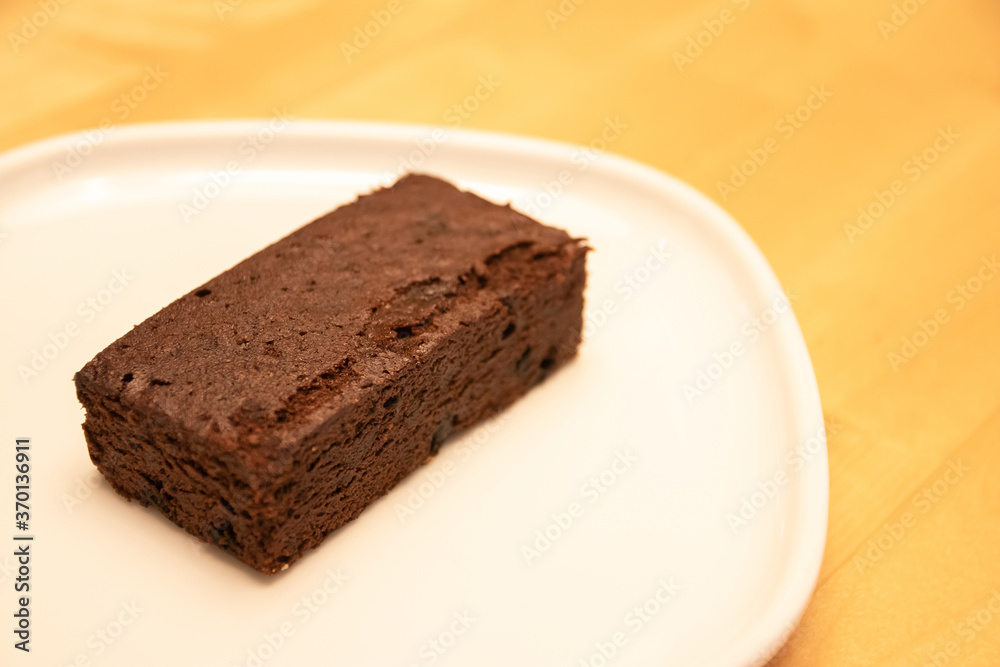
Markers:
point(673, 527)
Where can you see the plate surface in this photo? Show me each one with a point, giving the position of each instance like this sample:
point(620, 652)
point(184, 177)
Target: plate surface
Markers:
point(660, 501)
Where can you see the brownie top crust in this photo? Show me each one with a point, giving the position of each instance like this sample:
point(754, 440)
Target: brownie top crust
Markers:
point(252, 360)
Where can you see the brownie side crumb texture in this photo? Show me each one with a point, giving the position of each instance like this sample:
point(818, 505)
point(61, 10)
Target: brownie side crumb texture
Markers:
point(271, 405)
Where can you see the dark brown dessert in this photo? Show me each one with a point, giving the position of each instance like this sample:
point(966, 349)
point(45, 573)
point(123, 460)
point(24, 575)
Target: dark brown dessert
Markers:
point(271, 405)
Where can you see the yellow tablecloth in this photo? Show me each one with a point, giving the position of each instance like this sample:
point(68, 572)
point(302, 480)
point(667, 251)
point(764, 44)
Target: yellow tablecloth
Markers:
point(857, 142)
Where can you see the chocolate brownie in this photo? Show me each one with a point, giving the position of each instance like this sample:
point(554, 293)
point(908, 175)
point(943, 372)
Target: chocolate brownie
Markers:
point(271, 405)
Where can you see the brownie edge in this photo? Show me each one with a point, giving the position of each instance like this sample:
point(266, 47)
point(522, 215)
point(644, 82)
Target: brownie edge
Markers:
point(268, 407)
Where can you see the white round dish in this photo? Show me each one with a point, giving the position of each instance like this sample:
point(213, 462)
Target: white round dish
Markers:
point(662, 500)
